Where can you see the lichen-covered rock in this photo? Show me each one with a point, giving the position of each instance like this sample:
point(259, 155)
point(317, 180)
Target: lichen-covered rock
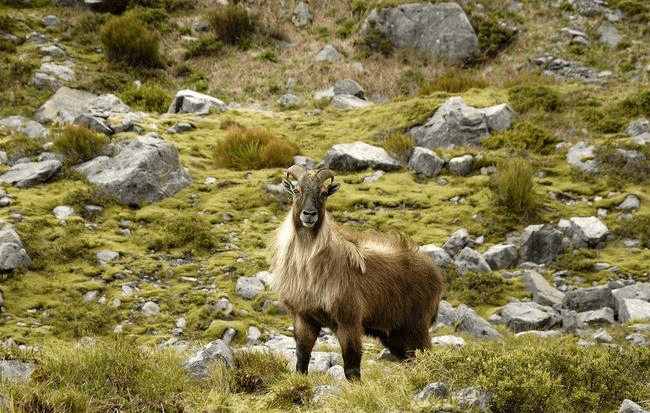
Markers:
point(359, 155)
point(148, 169)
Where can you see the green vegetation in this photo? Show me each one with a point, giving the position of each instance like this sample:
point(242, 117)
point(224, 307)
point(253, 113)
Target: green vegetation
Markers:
point(453, 81)
point(253, 149)
point(528, 97)
point(79, 144)
point(522, 136)
point(514, 188)
point(126, 39)
point(187, 251)
point(148, 97)
point(233, 25)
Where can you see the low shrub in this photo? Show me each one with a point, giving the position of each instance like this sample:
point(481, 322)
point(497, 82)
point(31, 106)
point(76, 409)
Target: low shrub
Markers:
point(21, 146)
point(513, 187)
point(527, 97)
point(89, 23)
point(126, 39)
point(399, 145)
point(204, 46)
point(78, 143)
point(636, 228)
point(345, 28)
point(636, 105)
point(191, 233)
point(253, 149)
point(375, 41)
point(560, 376)
point(614, 163)
point(522, 136)
point(198, 81)
point(233, 25)
point(410, 80)
point(453, 81)
point(149, 98)
point(475, 289)
point(154, 18)
point(492, 35)
point(255, 372)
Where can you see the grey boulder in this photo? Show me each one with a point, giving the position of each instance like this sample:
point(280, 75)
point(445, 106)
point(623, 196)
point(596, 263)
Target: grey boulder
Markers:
point(28, 174)
point(148, 169)
point(357, 156)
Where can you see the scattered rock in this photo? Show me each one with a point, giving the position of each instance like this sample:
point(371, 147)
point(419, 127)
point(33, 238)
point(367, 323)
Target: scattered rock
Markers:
point(302, 16)
point(437, 389)
point(189, 101)
point(349, 102)
point(15, 370)
point(543, 293)
point(520, 317)
point(150, 308)
point(22, 125)
point(441, 30)
point(147, 169)
point(64, 106)
point(628, 406)
point(425, 162)
point(462, 165)
point(249, 287)
point(633, 309)
point(28, 174)
point(540, 244)
point(581, 155)
point(471, 323)
point(587, 299)
point(328, 54)
point(501, 256)
point(439, 255)
point(359, 155)
point(198, 364)
point(470, 260)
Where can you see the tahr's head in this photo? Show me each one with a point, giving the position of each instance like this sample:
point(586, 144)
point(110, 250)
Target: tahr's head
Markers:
point(309, 195)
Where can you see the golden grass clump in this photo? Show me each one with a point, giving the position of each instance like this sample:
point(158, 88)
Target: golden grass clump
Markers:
point(513, 186)
point(453, 81)
point(253, 148)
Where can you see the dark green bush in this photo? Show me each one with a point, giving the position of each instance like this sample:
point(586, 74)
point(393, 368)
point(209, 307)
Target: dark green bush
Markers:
point(492, 35)
point(126, 39)
point(522, 136)
point(253, 149)
point(474, 289)
point(523, 375)
point(79, 144)
point(345, 28)
point(154, 18)
point(233, 25)
point(375, 41)
point(526, 97)
point(198, 81)
point(149, 98)
point(89, 23)
point(191, 233)
point(204, 46)
point(453, 81)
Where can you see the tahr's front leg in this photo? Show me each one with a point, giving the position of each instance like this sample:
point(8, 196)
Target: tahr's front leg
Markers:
point(305, 333)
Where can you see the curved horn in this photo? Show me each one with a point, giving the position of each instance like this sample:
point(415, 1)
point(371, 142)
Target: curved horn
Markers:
point(325, 174)
point(297, 172)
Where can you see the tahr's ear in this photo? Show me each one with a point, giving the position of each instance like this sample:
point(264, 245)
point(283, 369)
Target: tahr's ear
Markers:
point(332, 188)
point(288, 185)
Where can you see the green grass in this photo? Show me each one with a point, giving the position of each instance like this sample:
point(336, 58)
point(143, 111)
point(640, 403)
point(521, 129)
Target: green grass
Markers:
point(186, 252)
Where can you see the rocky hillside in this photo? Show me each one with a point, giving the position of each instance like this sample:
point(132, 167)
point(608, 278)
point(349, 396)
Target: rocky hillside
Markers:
point(508, 139)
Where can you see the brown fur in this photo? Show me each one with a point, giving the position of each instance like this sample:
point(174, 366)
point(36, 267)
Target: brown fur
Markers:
point(351, 282)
